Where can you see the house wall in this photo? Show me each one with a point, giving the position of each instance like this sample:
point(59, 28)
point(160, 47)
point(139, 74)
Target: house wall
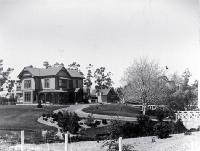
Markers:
point(52, 84)
point(32, 84)
point(104, 98)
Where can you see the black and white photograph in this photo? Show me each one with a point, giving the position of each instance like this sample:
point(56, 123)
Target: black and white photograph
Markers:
point(99, 75)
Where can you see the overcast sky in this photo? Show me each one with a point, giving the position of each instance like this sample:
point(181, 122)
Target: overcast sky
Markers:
point(108, 33)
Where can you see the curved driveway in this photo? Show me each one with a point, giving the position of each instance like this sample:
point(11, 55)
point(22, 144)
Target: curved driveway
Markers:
point(78, 110)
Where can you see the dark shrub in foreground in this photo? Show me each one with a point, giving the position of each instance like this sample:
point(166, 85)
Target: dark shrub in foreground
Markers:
point(162, 129)
point(69, 122)
point(161, 113)
point(179, 127)
point(104, 121)
point(145, 126)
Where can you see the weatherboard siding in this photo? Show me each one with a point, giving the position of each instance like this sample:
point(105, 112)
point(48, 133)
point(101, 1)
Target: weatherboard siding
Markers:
point(32, 84)
point(51, 83)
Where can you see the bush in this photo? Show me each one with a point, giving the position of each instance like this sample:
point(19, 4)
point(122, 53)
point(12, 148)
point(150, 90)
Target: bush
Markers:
point(54, 116)
point(97, 123)
point(39, 104)
point(188, 133)
point(112, 145)
point(104, 122)
point(43, 115)
point(69, 122)
point(145, 125)
point(161, 113)
point(6, 101)
point(162, 129)
point(90, 120)
point(179, 127)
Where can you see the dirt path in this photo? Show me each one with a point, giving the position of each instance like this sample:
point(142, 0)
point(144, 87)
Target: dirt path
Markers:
point(78, 109)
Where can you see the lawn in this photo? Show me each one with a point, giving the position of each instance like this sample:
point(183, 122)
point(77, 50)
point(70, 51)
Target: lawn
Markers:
point(114, 110)
point(17, 117)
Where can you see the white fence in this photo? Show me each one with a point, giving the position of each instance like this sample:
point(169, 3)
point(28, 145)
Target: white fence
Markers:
point(191, 119)
point(66, 144)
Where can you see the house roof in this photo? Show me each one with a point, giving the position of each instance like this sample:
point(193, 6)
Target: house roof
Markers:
point(51, 71)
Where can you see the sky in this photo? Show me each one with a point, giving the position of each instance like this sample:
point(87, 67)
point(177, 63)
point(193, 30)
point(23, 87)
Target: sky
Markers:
point(110, 33)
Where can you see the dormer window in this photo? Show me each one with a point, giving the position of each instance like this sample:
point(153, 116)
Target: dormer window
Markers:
point(27, 84)
point(46, 83)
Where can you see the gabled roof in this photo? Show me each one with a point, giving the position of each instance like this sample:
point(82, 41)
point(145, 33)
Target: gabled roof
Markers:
point(75, 73)
point(51, 71)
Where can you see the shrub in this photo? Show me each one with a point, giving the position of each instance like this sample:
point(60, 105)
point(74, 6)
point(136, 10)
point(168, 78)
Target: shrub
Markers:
point(162, 129)
point(43, 115)
point(55, 117)
point(188, 133)
point(145, 125)
point(115, 129)
point(161, 113)
point(69, 122)
point(179, 127)
point(112, 145)
point(97, 123)
point(90, 120)
point(104, 122)
point(39, 104)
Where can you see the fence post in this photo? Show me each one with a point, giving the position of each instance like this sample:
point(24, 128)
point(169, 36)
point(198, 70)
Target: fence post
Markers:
point(66, 141)
point(120, 144)
point(22, 140)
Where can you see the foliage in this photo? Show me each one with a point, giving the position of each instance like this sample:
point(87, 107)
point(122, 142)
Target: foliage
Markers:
point(47, 65)
point(102, 79)
point(104, 121)
point(145, 125)
point(145, 82)
point(115, 129)
point(162, 129)
point(121, 94)
point(6, 101)
point(88, 80)
point(69, 122)
point(39, 104)
point(112, 145)
point(161, 113)
point(185, 95)
point(90, 120)
point(179, 127)
point(4, 74)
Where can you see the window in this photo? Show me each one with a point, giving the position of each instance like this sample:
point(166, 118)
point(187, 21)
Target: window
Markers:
point(46, 83)
point(27, 84)
point(63, 83)
point(70, 84)
point(76, 83)
point(27, 96)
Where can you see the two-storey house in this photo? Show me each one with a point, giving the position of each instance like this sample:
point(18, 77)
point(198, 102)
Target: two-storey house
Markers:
point(56, 85)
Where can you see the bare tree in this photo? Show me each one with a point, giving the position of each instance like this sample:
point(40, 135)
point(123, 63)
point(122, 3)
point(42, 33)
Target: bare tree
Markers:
point(145, 82)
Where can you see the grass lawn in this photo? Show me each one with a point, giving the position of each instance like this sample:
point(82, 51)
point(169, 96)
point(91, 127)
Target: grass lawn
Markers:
point(19, 117)
point(113, 110)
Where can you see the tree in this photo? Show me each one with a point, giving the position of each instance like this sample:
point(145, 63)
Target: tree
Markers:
point(74, 66)
point(88, 80)
point(4, 75)
point(46, 64)
point(145, 83)
point(185, 96)
point(102, 79)
point(121, 94)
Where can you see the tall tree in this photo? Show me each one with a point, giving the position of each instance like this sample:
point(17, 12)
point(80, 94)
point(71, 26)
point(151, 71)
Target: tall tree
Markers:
point(185, 95)
point(4, 75)
point(145, 83)
point(88, 79)
point(102, 79)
